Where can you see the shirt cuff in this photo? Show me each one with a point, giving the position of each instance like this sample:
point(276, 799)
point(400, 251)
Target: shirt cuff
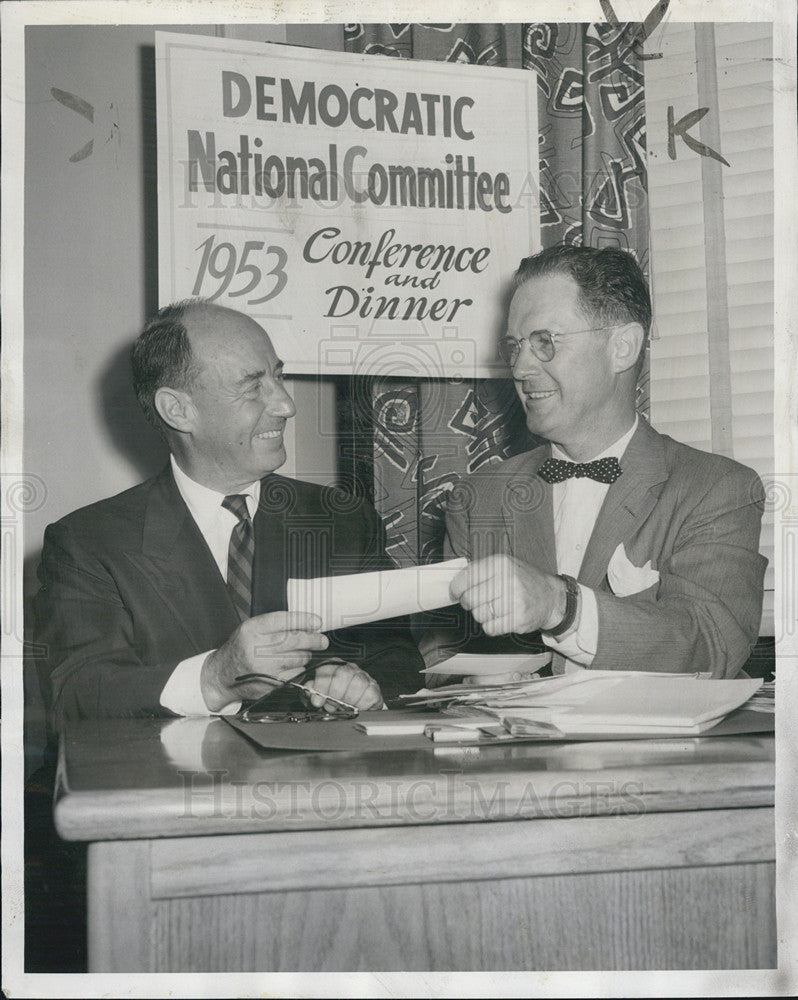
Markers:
point(182, 693)
point(581, 643)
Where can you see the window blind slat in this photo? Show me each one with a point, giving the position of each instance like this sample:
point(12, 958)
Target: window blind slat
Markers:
point(744, 186)
point(750, 160)
point(759, 224)
point(759, 293)
point(744, 250)
point(735, 77)
point(682, 388)
point(754, 338)
point(751, 272)
point(688, 235)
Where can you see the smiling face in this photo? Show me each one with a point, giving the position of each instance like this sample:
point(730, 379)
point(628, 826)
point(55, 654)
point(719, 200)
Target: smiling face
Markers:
point(237, 407)
point(579, 399)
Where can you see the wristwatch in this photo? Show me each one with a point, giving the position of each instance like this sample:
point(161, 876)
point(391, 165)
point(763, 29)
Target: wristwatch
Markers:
point(571, 607)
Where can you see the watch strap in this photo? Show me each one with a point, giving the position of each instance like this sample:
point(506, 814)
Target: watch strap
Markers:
point(571, 606)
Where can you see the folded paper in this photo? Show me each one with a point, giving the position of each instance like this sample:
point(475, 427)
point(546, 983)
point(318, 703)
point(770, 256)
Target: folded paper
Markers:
point(359, 598)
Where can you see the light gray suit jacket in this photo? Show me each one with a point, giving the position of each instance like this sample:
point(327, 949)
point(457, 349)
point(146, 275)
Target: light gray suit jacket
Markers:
point(693, 515)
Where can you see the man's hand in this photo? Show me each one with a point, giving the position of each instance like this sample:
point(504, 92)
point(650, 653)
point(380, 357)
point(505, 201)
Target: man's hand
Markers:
point(279, 644)
point(346, 682)
point(505, 595)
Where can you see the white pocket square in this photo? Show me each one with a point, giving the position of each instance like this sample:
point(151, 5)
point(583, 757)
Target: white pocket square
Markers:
point(625, 578)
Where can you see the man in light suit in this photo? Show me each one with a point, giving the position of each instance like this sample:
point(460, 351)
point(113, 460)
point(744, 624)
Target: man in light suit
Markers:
point(155, 601)
point(623, 548)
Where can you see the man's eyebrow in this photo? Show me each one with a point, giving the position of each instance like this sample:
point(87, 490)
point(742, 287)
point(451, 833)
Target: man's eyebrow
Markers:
point(256, 376)
point(251, 377)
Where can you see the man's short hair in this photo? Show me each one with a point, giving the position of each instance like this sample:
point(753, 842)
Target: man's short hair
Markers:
point(161, 356)
point(612, 286)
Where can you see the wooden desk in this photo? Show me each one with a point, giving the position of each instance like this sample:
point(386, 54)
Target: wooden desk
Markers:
point(209, 854)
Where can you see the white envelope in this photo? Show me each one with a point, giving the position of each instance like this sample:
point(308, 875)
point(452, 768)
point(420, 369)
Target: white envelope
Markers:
point(625, 578)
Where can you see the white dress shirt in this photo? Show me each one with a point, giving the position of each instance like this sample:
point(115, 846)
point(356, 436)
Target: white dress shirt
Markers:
point(182, 693)
point(576, 504)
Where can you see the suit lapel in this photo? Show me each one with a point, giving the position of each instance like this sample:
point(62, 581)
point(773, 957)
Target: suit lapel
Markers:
point(529, 514)
point(179, 565)
point(628, 502)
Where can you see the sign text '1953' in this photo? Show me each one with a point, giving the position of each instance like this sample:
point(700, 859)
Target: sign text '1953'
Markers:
point(221, 262)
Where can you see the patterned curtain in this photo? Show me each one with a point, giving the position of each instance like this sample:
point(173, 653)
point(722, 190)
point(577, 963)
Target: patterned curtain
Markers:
point(412, 439)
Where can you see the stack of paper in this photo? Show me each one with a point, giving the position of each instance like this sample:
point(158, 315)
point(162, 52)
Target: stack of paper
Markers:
point(485, 694)
point(764, 700)
point(602, 702)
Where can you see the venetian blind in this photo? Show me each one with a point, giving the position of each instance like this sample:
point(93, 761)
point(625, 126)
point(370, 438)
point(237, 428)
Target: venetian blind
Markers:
point(712, 247)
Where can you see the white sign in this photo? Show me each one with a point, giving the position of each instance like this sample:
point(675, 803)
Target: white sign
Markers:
point(367, 211)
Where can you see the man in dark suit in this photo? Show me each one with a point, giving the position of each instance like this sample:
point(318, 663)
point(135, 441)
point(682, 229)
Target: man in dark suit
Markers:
point(622, 547)
point(156, 600)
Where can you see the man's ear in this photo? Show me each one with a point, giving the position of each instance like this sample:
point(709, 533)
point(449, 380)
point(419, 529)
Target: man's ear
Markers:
point(626, 344)
point(175, 408)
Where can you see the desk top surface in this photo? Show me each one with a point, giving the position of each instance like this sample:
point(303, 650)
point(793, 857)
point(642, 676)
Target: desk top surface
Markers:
point(141, 778)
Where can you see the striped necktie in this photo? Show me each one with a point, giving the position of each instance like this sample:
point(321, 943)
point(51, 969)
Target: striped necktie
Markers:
point(239, 555)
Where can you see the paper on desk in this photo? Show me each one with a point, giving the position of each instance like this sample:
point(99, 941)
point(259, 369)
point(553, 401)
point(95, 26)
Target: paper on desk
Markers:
point(632, 703)
point(341, 601)
point(610, 702)
point(438, 728)
point(516, 666)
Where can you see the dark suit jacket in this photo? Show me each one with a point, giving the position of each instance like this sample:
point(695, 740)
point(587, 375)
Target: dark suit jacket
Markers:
point(129, 588)
point(694, 516)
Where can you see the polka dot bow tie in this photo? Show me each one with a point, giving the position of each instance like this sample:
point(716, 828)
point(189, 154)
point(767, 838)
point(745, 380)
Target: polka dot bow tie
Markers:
point(604, 470)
